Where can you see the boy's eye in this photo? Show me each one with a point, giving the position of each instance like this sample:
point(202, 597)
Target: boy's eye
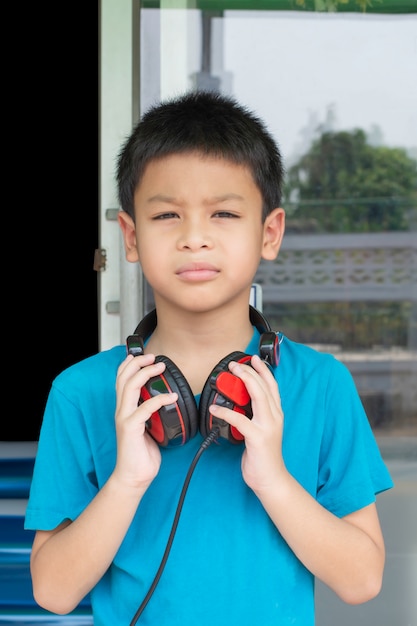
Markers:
point(224, 214)
point(165, 216)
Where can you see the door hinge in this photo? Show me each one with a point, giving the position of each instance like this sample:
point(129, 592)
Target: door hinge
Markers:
point(100, 258)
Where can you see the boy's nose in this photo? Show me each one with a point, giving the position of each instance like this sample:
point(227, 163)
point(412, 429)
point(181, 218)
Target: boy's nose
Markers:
point(194, 236)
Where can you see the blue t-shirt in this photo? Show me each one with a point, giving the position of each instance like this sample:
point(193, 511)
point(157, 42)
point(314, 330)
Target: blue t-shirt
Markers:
point(228, 562)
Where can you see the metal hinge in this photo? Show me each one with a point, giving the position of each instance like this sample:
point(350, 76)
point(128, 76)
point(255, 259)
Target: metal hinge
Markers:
point(100, 258)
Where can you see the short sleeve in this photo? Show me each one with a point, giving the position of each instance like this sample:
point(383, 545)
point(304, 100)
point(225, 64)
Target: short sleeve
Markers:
point(351, 469)
point(76, 450)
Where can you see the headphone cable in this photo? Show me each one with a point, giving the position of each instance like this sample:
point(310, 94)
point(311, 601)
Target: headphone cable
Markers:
point(212, 436)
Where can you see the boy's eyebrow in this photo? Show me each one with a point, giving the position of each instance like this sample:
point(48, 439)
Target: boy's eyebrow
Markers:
point(159, 197)
point(225, 197)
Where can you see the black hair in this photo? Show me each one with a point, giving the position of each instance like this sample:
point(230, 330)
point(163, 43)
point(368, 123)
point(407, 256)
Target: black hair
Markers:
point(207, 123)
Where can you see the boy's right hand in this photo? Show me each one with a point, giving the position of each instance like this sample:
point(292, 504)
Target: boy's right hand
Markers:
point(138, 455)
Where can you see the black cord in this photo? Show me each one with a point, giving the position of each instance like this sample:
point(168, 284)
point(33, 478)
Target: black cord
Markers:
point(212, 436)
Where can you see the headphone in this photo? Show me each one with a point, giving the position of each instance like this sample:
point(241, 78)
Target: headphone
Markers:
point(179, 422)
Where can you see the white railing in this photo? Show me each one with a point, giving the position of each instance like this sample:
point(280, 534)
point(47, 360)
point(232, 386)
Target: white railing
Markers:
point(356, 267)
point(329, 268)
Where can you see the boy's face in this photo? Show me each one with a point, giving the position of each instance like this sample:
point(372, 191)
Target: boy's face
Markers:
point(198, 234)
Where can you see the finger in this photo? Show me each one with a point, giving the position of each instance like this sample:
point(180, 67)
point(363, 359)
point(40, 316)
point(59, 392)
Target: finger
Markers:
point(142, 413)
point(258, 379)
point(133, 363)
point(265, 399)
point(129, 407)
point(131, 380)
point(238, 420)
point(267, 374)
point(153, 405)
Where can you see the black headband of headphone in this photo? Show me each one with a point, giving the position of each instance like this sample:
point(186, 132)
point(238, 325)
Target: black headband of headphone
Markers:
point(268, 346)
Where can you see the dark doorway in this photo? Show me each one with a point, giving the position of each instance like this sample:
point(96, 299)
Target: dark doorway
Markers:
point(54, 207)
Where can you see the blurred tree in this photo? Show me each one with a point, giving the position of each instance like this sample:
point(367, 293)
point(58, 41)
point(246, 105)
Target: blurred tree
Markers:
point(389, 6)
point(345, 184)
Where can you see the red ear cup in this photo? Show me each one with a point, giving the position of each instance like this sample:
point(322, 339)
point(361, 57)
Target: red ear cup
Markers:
point(225, 389)
point(175, 424)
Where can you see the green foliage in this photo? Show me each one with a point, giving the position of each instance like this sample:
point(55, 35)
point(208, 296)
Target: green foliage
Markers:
point(343, 184)
point(347, 185)
point(344, 325)
point(334, 5)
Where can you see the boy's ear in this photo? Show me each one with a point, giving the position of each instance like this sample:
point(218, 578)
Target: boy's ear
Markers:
point(274, 228)
point(127, 226)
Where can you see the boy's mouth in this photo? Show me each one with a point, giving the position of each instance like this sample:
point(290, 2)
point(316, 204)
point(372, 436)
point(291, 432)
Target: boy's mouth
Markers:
point(197, 271)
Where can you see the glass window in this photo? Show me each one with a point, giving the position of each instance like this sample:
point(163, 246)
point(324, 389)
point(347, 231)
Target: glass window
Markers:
point(338, 91)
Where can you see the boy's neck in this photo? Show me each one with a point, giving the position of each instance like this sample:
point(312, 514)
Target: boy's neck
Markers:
point(196, 342)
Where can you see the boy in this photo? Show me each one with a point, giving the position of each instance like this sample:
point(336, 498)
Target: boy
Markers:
point(289, 497)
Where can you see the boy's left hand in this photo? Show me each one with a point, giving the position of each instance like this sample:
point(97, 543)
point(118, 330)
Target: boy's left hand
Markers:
point(262, 460)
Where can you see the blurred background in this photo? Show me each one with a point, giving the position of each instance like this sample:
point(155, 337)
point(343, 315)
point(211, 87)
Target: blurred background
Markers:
point(335, 82)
